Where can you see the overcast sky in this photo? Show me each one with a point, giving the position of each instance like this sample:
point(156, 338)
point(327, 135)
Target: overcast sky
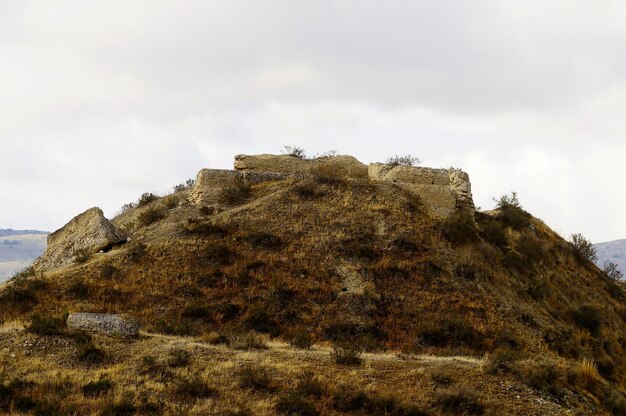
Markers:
point(103, 100)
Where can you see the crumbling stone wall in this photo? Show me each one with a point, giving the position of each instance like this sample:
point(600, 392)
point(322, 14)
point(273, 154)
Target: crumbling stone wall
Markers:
point(87, 233)
point(441, 190)
point(210, 183)
point(102, 323)
point(346, 166)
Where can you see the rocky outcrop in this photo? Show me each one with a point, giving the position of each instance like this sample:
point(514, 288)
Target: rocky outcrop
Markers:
point(346, 166)
point(106, 324)
point(85, 234)
point(441, 190)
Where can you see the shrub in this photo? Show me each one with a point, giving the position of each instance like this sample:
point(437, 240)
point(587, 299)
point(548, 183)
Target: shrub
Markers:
point(460, 400)
point(307, 190)
point(511, 211)
point(461, 227)
point(501, 361)
point(175, 327)
point(543, 374)
point(264, 240)
point(196, 311)
point(236, 193)
point(583, 249)
point(349, 399)
point(293, 404)
point(612, 271)
point(150, 216)
point(171, 201)
point(249, 341)
point(299, 338)
point(78, 289)
point(531, 248)
point(178, 357)
point(294, 151)
point(87, 352)
point(108, 271)
point(308, 386)
point(194, 388)
point(407, 160)
point(442, 377)
point(218, 253)
point(46, 325)
point(188, 184)
point(449, 332)
point(494, 233)
point(346, 354)
point(588, 317)
point(255, 377)
point(97, 388)
point(146, 198)
point(198, 227)
point(260, 320)
point(615, 402)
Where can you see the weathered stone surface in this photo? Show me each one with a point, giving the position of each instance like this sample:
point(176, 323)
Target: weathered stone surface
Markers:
point(106, 324)
point(211, 182)
point(209, 185)
point(346, 166)
point(441, 190)
point(88, 232)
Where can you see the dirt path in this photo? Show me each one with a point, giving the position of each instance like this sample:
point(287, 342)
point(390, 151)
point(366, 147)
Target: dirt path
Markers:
point(324, 351)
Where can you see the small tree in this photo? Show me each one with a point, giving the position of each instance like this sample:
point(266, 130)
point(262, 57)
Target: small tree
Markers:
point(583, 247)
point(612, 271)
point(407, 160)
point(294, 151)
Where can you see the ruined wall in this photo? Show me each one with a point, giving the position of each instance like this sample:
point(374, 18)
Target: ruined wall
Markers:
point(88, 232)
point(210, 183)
point(346, 166)
point(441, 190)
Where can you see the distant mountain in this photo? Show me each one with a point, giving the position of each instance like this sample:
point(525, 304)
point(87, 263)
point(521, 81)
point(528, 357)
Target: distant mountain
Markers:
point(8, 232)
point(18, 249)
point(614, 251)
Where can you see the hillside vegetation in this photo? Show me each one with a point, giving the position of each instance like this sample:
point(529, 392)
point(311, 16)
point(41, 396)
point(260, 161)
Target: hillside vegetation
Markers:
point(359, 270)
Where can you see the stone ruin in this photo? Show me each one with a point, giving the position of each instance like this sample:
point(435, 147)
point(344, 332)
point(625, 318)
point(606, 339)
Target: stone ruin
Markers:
point(87, 233)
point(441, 190)
point(103, 323)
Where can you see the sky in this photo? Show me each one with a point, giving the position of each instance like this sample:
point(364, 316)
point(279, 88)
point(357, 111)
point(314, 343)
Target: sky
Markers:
point(101, 101)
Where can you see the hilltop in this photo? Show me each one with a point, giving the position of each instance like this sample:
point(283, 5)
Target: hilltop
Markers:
point(386, 260)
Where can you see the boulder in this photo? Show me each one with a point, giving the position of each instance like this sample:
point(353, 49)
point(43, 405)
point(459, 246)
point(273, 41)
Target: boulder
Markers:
point(102, 323)
point(85, 234)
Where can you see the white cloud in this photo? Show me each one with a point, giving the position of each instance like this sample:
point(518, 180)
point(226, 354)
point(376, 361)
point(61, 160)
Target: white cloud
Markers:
point(104, 100)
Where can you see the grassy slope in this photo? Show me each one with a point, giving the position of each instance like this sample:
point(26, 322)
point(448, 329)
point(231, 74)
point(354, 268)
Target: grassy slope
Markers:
point(282, 259)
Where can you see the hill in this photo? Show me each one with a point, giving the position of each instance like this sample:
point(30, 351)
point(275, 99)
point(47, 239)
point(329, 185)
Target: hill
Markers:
point(612, 251)
point(18, 249)
point(353, 289)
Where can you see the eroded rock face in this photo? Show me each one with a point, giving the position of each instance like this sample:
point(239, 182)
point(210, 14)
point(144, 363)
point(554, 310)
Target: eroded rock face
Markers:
point(345, 166)
point(86, 233)
point(102, 323)
point(441, 190)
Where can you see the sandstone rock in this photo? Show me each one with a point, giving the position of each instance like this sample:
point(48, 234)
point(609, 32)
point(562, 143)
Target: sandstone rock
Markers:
point(346, 166)
point(441, 190)
point(106, 324)
point(86, 233)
